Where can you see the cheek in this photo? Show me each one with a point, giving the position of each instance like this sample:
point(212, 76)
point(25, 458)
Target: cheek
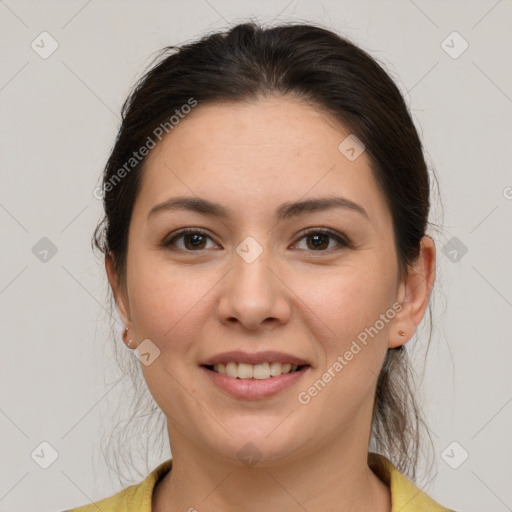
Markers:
point(350, 318)
point(169, 306)
point(169, 302)
point(349, 298)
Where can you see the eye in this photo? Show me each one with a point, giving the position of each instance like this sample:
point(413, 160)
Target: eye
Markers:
point(318, 240)
point(193, 240)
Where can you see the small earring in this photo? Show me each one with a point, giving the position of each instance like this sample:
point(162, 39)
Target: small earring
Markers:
point(401, 332)
point(128, 343)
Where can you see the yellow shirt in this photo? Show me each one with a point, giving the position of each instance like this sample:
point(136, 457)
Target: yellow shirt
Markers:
point(405, 496)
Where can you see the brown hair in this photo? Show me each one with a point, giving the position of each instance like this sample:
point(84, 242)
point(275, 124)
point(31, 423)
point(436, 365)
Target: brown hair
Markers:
point(327, 70)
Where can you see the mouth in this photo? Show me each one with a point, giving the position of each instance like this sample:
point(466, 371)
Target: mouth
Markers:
point(255, 382)
point(257, 375)
point(262, 371)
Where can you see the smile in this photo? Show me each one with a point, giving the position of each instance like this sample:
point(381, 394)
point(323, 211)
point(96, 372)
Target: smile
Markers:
point(254, 371)
point(255, 383)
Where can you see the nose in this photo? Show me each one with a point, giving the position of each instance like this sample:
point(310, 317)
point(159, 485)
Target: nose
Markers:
point(253, 296)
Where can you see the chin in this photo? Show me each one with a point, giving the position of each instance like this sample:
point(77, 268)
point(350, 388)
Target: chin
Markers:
point(262, 444)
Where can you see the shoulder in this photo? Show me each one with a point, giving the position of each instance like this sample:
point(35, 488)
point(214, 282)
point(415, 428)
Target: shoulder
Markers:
point(405, 496)
point(123, 500)
point(134, 498)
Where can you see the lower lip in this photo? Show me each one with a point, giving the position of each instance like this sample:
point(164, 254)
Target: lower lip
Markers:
point(254, 389)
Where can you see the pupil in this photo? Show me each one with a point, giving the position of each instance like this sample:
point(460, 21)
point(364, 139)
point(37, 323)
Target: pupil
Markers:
point(318, 238)
point(195, 240)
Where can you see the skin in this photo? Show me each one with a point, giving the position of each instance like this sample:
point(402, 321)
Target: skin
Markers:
point(295, 298)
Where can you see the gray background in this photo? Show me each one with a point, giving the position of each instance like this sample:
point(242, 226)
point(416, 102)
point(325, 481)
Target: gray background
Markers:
point(59, 119)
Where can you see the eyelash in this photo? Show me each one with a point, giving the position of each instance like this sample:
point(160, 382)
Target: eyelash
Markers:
point(342, 241)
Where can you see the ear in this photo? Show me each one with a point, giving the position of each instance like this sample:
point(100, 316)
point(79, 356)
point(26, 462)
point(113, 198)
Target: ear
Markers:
point(120, 294)
point(413, 294)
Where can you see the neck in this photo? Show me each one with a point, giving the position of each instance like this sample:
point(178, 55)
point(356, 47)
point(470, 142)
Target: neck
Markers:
point(334, 477)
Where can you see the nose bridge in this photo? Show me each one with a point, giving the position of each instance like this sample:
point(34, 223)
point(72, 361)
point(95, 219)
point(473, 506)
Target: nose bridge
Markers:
point(252, 277)
point(252, 294)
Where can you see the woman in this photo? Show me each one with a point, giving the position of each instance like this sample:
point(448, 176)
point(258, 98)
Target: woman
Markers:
point(266, 208)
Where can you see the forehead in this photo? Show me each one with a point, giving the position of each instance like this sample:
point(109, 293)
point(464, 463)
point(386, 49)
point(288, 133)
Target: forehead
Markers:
point(251, 155)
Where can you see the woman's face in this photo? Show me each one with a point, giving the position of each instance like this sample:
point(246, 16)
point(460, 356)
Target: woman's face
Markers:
point(261, 277)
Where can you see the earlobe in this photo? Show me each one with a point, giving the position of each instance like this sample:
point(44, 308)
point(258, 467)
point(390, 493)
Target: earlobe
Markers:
point(414, 294)
point(403, 328)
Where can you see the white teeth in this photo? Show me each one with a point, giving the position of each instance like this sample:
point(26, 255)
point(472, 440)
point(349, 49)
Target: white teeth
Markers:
point(275, 369)
point(244, 371)
point(230, 370)
point(261, 371)
point(254, 371)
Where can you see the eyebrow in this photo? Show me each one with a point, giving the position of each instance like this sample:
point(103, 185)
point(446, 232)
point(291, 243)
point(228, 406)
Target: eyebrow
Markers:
point(284, 212)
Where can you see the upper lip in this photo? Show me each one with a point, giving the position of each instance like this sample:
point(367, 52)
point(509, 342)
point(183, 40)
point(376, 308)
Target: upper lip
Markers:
point(239, 356)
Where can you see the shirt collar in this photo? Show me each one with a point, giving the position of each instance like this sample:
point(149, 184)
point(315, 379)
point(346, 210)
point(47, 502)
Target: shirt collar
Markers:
point(405, 496)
